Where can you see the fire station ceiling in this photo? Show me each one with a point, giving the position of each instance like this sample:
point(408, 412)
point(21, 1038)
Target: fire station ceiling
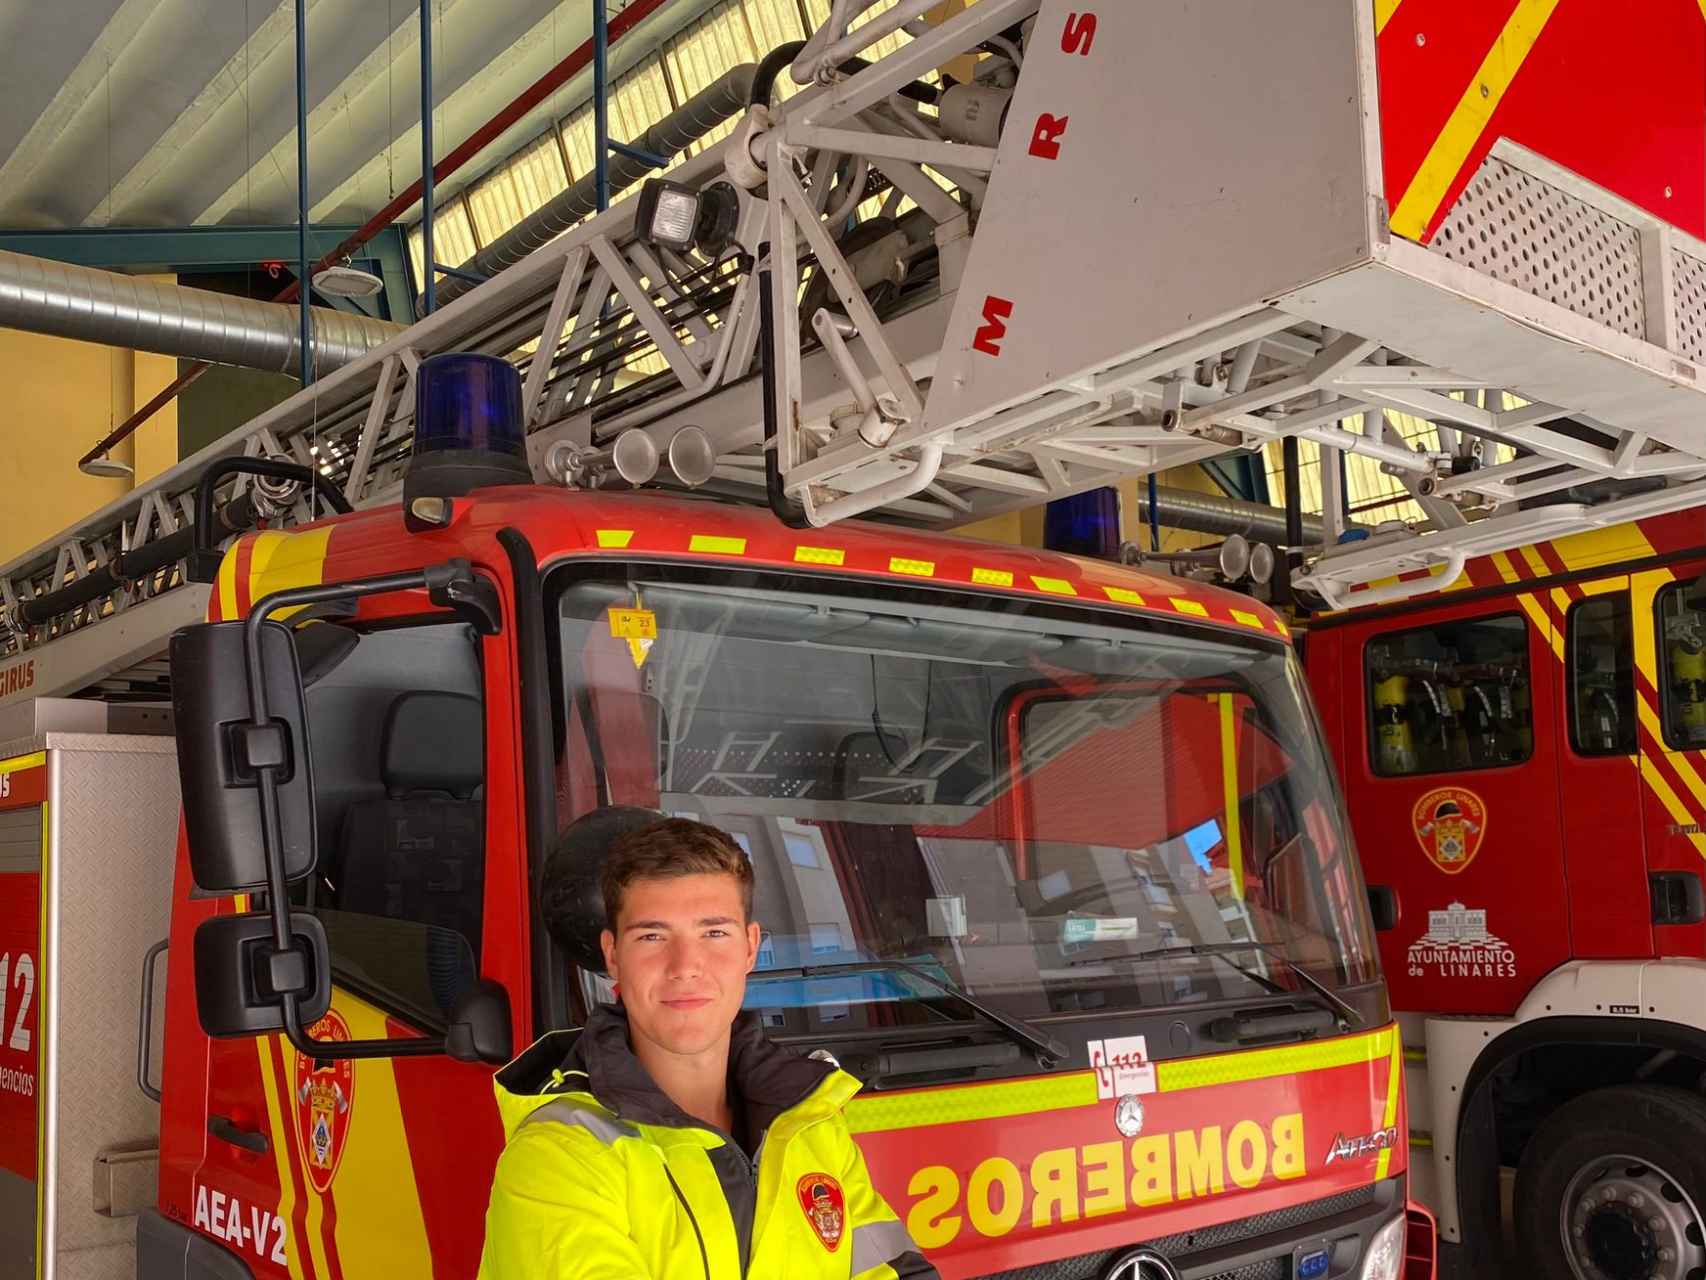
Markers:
point(183, 112)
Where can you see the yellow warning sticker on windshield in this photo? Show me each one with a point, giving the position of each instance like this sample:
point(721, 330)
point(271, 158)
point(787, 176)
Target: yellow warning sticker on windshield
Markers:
point(639, 627)
point(633, 624)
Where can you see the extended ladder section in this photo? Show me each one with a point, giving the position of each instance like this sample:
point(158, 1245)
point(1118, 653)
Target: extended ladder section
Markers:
point(1040, 246)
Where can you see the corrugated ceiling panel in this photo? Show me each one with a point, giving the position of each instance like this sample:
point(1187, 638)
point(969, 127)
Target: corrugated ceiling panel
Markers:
point(704, 53)
point(772, 23)
point(453, 239)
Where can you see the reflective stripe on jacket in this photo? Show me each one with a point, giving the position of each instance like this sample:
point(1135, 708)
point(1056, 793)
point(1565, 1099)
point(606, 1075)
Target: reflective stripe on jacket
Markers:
point(604, 1178)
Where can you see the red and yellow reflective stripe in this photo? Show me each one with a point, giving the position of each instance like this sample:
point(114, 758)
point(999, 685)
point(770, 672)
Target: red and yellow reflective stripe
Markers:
point(1451, 149)
point(957, 1104)
point(1384, 1161)
point(817, 553)
point(258, 564)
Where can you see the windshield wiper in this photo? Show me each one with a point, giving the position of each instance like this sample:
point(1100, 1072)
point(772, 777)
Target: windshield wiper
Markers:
point(1348, 1015)
point(1048, 1050)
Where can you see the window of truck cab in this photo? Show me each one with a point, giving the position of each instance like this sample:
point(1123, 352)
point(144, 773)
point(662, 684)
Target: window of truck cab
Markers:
point(396, 725)
point(1010, 796)
point(1451, 696)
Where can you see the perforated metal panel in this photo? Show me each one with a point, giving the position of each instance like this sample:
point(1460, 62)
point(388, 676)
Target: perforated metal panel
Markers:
point(1519, 230)
point(1689, 277)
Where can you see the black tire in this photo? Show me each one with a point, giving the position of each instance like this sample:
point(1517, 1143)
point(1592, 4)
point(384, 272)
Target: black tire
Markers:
point(1625, 1168)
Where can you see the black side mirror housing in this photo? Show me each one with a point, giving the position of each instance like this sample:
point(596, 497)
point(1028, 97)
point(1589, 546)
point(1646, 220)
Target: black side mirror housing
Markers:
point(1383, 907)
point(238, 974)
point(219, 754)
point(479, 1028)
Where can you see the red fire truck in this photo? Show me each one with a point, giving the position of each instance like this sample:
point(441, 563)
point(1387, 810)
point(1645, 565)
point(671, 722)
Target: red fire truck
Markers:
point(1522, 762)
point(1095, 1004)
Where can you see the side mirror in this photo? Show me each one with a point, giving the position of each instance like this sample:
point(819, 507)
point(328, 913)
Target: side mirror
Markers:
point(1383, 907)
point(219, 753)
point(479, 1028)
point(238, 975)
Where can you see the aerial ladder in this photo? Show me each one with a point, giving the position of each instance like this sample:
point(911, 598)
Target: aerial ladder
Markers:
point(1122, 239)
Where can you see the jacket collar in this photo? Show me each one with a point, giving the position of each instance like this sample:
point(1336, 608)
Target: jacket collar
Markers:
point(599, 1059)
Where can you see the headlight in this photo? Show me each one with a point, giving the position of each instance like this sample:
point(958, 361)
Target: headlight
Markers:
point(1385, 1260)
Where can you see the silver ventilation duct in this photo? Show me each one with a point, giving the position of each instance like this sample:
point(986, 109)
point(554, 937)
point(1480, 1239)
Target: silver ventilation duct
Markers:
point(66, 301)
point(1212, 514)
point(695, 118)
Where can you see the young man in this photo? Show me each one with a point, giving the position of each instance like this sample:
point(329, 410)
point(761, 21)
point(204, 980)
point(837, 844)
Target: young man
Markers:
point(668, 1138)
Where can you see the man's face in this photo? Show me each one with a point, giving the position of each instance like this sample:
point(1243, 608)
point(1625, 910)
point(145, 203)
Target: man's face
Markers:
point(681, 951)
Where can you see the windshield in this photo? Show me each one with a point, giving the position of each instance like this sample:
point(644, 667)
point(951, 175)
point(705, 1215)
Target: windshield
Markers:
point(1014, 799)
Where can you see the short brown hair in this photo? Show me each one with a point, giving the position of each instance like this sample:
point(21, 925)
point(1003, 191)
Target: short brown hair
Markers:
point(668, 848)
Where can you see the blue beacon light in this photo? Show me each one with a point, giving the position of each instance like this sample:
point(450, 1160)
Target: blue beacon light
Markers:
point(468, 430)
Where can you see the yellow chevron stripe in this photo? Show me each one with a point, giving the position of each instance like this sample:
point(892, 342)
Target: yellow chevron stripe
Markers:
point(281, 1134)
point(1384, 9)
point(1055, 586)
point(1672, 803)
point(376, 1183)
point(1481, 98)
point(1120, 595)
point(1192, 607)
point(1003, 577)
point(615, 539)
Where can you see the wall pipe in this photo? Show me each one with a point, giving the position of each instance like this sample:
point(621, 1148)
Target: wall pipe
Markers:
point(430, 268)
point(601, 102)
point(306, 337)
point(476, 142)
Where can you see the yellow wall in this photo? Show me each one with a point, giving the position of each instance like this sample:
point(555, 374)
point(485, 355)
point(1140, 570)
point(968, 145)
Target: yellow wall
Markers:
point(61, 397)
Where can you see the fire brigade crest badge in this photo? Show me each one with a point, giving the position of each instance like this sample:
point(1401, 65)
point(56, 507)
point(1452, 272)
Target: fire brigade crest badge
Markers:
point(324, 1095)
point(1450, 824)
point(824, 1206)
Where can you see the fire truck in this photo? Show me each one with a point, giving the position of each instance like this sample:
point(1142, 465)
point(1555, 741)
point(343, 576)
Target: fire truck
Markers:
point(1521, 762)
point(1049, 849)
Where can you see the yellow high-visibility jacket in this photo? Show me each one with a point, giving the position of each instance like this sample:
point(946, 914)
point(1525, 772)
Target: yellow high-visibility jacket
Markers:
point(604, 1178)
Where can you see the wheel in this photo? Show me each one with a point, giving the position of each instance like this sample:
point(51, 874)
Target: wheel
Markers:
point(1611, 1185)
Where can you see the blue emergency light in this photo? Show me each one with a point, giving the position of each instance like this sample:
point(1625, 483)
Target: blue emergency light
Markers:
point(468, 432)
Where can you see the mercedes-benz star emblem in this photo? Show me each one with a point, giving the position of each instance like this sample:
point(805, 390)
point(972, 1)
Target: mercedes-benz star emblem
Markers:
point(1141, 1264)
point(1128, 1115)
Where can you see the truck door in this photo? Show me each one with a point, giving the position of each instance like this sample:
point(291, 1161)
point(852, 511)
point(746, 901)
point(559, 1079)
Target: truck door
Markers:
point(1668, 612)
point(382, 1165)
point(1453, 797)
point(1599, 780)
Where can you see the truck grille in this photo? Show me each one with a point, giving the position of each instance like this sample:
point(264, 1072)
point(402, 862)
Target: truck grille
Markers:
point(1180, 1247)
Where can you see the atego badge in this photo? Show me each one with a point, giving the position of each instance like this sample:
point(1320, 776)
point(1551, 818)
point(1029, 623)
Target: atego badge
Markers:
point(324, 1096)
point(1450, 823)
point(824, 1206)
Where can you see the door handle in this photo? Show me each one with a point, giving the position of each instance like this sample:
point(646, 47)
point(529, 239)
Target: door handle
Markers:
point(225, 1130)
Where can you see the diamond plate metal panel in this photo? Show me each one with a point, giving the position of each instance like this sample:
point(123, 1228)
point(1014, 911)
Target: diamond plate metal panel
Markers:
point(110, 882)
point(1544, 241)
point(1689, 276)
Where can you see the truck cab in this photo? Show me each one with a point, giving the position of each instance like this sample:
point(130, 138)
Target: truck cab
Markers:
point(1047, 851)
point(1522, 762)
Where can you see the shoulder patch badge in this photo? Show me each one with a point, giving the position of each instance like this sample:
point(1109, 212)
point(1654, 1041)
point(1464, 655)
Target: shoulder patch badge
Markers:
point(824, 1206)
